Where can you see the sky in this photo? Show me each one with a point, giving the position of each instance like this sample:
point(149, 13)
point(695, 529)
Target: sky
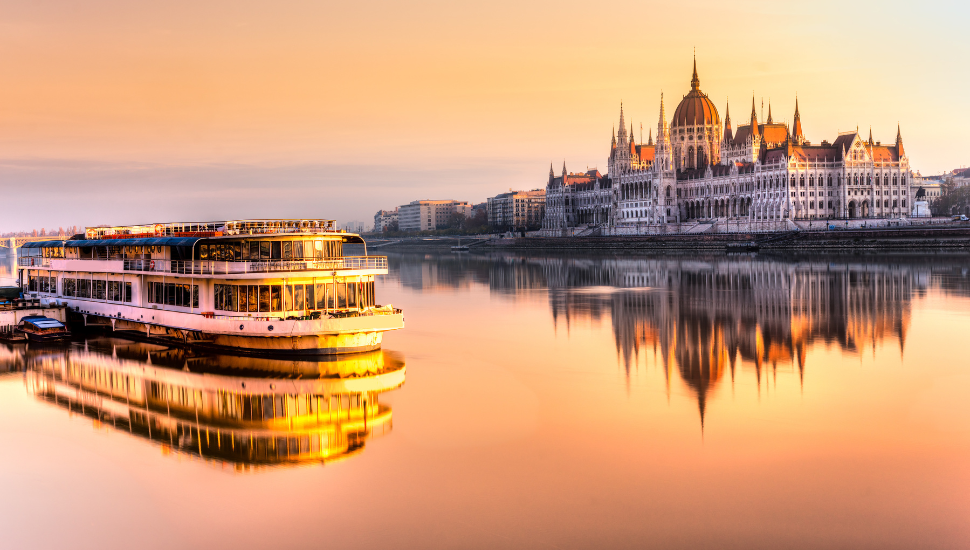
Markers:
point(130, 112)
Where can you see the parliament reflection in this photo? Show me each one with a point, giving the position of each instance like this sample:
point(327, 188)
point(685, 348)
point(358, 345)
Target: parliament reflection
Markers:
point(243, 412)
point(704, 317)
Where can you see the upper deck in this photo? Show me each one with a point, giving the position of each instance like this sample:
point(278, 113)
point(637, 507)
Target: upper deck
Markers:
point(211, 248)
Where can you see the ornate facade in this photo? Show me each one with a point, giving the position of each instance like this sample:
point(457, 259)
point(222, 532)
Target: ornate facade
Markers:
point(702, 171)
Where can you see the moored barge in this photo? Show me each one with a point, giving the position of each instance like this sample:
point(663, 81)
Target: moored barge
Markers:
point(251, 286)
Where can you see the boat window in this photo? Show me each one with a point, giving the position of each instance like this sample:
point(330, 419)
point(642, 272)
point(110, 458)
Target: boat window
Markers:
point(288, 298)
point(352, 295)
point(243, 299)
point(298, 250)
point(321, 295)
point(99, 290)
point(276, 250)
point(287, 250)
point(318, 250)
point(253, 298)
point(275, 298)
point(341, 295)
point(264, 250)
point(253, 250)
point(310, 300)
point(172, 294)
point(307, 249)
point(299, 298)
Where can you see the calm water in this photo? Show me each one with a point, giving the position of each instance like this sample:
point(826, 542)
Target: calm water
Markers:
point(532, 401)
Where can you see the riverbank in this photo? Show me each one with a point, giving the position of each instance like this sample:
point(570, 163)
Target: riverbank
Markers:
point(917, 238)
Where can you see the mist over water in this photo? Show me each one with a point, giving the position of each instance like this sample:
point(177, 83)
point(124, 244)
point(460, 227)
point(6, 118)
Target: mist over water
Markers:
point(572, 401)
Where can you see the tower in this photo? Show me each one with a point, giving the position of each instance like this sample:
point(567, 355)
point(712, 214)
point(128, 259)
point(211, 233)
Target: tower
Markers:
point(798, 136)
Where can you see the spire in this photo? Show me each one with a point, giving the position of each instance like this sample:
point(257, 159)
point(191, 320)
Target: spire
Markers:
point(797, 125)
point(871, 142)
point(651, 137)
point(728, 132)
point(613, 144)
point(695, 83)
point(631, 133)
point(621, 137)
point(662, 124)
point(564, 172)
point(899, 142)
point(769, 121)
point(551, 173)
point(754, 118)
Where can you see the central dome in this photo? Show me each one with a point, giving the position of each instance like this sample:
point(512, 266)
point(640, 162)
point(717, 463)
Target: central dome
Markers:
point(695, 109)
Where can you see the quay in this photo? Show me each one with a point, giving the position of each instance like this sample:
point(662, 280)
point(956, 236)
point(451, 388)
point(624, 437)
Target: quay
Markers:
point(900, 238)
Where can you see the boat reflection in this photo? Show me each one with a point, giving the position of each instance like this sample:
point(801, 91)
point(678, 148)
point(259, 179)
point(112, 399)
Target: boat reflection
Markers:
point(244, 412)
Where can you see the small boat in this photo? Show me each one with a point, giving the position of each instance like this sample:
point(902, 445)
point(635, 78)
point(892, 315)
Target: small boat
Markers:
point(459, 247)
point(41, 330)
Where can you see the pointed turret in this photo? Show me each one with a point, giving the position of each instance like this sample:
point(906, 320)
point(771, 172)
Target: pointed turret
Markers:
point(769, 121)
point(564, 172)
point(695, 83)
point(651, 137)
point(663, 156)
point(899, 142)
point(728, 132)
point(871, 142)
point(631, 132)
point(551, 173)
point(613, 143)
point(754, 119)
point(797, 126)
point(622, 137)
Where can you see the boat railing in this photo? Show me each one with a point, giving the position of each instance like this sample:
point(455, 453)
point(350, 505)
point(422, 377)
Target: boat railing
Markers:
point(214, 267)
point(33, 261)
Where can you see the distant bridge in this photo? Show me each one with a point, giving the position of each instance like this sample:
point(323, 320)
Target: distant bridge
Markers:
point(17, 242)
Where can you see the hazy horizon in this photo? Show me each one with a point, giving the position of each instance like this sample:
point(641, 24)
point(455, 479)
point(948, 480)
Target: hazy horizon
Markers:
point(124, 113)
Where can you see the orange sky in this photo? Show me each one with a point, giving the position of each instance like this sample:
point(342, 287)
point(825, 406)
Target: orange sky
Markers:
point(143, 112)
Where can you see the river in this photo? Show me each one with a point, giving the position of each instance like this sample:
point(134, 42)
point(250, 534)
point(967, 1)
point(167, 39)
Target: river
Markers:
point(561, 401)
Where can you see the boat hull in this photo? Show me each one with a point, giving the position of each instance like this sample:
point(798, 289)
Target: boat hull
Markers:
point(327, 336)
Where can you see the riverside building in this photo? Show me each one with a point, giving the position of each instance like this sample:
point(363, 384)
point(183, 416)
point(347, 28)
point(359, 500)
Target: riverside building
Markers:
point(427, 215)
point(758, 176)
point(517, 209)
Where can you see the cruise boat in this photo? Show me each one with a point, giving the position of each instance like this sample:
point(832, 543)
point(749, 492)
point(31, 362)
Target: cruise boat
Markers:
point(249, 286)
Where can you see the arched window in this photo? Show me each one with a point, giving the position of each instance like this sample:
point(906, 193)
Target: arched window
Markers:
point(830, 181)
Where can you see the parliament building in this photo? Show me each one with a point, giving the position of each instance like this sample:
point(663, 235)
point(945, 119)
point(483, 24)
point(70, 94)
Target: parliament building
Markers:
point(705, 172)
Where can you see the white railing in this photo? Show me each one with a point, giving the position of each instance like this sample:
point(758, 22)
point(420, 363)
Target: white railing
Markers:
point(212, 267)
point(33, 261)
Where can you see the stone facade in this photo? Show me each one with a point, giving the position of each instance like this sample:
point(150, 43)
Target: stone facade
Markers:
point(702, 171)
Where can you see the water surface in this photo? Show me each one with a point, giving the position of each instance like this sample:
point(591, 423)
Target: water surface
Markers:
point(532, 401)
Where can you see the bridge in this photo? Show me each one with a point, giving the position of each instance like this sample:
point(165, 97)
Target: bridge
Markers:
point(17, 242)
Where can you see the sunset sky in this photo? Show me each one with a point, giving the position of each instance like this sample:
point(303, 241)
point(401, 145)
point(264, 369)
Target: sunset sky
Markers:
point(124, 112)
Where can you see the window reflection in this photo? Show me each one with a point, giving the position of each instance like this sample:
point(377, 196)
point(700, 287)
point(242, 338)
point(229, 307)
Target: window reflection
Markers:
point(226, 409)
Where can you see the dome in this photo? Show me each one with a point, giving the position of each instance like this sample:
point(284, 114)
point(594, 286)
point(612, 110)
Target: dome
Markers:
point(695, 108)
